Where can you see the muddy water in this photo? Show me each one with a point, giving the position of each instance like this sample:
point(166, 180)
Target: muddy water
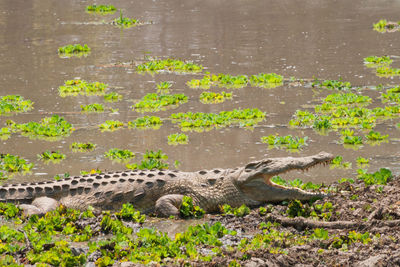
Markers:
point(325, 39)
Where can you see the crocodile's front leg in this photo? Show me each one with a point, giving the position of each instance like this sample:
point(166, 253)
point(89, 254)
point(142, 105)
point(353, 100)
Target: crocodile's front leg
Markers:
point(168, 205)
point(40, 206)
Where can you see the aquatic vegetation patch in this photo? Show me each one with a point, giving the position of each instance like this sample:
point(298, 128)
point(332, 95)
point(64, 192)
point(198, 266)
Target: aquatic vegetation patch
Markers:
point(163, 87)
point(101, 9)
point(11, 164)
point(146, 122)
point(10, 104)
point(125, 22)
point(189, 210)
point(151, 160)
point(91, 108)
point(112, 97)
point(111, 125)
point(391, 95)
point(81, 87)
point(380, 177)
point(75, 50)
point(338, 162)
point(376, 136)
point(178, 139)
point(331, 84)
point(169, 64)
point(204, 121)
point(155, 102)
point(119, 154)
point(51, 156)
point(82, 147)
point(347, 99)
point(387, 71)
point(362, 161)
point(288, 142)
point(49, 128)
point(266, 80)
point(375, 61)
point(386, 26)
point(213, 98)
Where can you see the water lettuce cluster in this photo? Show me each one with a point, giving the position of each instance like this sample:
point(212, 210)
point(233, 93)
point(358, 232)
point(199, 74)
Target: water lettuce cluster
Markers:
point(82, 87)
point(155, 102)
point(10, 104)
point(178, 138)
point(288, 142)
point(146, 122)
point(82, 147)
point(214, 98)
point(169, 64)
point(73, 50)
point(101, 9)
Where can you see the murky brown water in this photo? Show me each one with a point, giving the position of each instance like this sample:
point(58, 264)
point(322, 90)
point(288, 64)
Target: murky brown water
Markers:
point(325, 39)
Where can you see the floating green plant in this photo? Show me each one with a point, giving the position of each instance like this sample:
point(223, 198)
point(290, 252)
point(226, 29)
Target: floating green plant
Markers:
point(386, 26)
point(376, 136)
point(288, 142)
point(10, 104)
point(146, 122)
point(189, 210)
point(154, 102)
point(151, 160)
point(347, 99)
point(49, 128)
point(76, 50)
point(204, 121)
point(163, 87)
point(112, 97)
point(178, 138)
point(101, 9)
point(81, 87)
point(352, 140)
point(362, 161)
point(387, 71)
point(213, 98)
point(331, 84)
point(51, 156)
point(90, 108)
point(111, 125)
point(338, 162)
point(10, 164)
point(125, 22)
point(266, 80)
point(374, 61)
point(119, 154)
point(168, 65)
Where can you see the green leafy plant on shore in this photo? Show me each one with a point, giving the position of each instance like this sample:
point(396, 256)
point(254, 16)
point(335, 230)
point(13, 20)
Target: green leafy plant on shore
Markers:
point(380, 177)
point(238, 212)
point(76, 50)
point(189, 210)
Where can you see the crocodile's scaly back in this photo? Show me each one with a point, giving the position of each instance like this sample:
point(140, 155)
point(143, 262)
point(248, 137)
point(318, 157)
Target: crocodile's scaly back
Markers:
point(162, 190)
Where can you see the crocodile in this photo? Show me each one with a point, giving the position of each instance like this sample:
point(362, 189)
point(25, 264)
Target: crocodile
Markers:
point(161, 191)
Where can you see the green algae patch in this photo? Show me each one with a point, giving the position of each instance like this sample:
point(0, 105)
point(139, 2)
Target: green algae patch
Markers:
point(214, 98)
point(74, 50)
point(11, 104)
point(101, 9)
point(169, 64)
point(178, 139)
point(155, 102)
point(200, 121)
point(146, 122)
point(288, 142)
point(82, 147)
point(50, 128)
point(82, 87)
point(386, 26)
